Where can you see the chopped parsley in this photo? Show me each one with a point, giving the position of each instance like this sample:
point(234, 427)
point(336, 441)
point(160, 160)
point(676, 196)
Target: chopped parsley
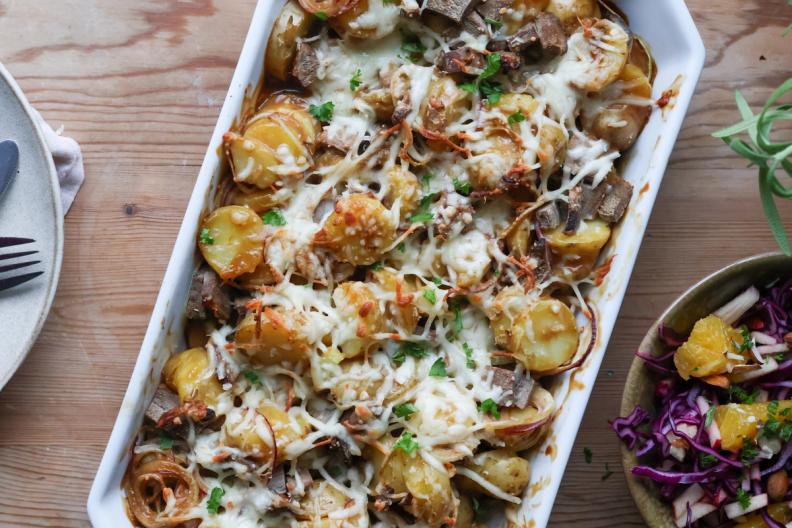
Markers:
point(607, 474)
point(213, 504)
point(743, 498)
point(457, 328)
point(587, 455)
point(252, 377)
point(739, 395)
point(412, 46)
point(496, 24)
point(321, 15)
point(425, 179)
point(489, 406)
point(748, 453)
point(409, 349)
point(470, 87)
point(274, 217)
point(401, 247)
point(468, 356)
point(709, 416)
point(423, 214)
point(461, 187)
point(786, 432)
point(206, 239)
point(406, 443)
point(438, 369)
point(437, 280)
point(354, 82)
point(429, 295)
point(334, 471)
point(747, 342)
point(375, 266)
point(322, 112)
point(479, 512)
point(491, 91)
point(707, 460)
point(516, 117)
point(405, 410)
point(493, 66)
point(166, 442)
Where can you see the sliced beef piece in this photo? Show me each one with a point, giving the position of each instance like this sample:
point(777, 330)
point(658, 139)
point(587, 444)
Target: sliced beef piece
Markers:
point(176, 420)
point(516, 387)
point(548, 216)
point(573, 212)
point(277, 482)
point(540, 251)
point(306, 64)
point(498, 44)
point(494, 9)
point(551, 35)
point(435, 115)
point(462, 60)
point(208, 293)
point(592, 198)
point(451, 9)
point(340, 449)
point(526, 38)
point(510, 61)
point(164, 400)
point(474, 24)
point(616, 201)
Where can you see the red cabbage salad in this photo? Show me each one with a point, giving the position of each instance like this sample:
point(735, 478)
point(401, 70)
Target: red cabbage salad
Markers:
point(718, 443)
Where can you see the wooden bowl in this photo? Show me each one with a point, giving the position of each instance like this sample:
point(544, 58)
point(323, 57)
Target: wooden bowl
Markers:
point(699, 301)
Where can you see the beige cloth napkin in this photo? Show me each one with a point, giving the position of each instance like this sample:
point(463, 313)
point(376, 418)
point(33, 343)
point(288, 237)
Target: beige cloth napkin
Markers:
point(67, 156)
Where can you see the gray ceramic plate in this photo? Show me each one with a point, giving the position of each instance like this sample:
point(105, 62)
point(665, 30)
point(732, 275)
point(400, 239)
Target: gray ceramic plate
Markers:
point(699, 301)
point(30, 208)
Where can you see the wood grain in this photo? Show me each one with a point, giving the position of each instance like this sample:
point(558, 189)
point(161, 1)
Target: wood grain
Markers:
point(139, 85)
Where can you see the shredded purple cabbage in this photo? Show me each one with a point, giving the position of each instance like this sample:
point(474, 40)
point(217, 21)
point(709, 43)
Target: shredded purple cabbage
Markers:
point(673, 443)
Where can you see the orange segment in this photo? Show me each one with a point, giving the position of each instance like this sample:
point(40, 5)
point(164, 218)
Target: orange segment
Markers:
point(780, 512)
point(738, 421)
point(704, 353)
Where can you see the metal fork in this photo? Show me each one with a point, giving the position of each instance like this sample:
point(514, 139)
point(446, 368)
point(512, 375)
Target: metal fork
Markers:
point(16, 280)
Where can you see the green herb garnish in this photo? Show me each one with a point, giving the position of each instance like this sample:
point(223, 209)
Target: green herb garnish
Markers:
point(354, 82)
point(429, 295)
point(376, 266)
point(469, 363)
point(607, 474)
point(489, 406)
point(405, 410)
point(213, 504)
point(166, 442)
point(767, 155)
point(748, 453)
point(743, 498)
point(409, 348)
point(587, 455)
point(206, 239)
point(707, 460)
point(470, 87)
point(491, 91)
point(709, 416)
point(479, 512)
point(496, 24)
point(323, 112)
point(438, 369)
point(334, 471)
point(274, 217)
point(412, 46)
point(321, 15)
point(406, 443)
point(461, 187)
point(423, 214)
point(516, 117)
point(437, 280)
point(493, 66)
point(252, 377)
point(747, 342)
point(739, 395)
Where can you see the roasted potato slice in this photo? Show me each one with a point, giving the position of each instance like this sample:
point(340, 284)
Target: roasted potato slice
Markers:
point(571, 12)
point(552, 148)
point(358, 231)
point(599, 57)
point(404, 187)
point(502, 468)
point(280, 336)
point(521, 429)
point(542, 335)
point(467, 258)
point(404, 315)
point(368, 19)
point(291, 24)
point(232, 240)
point(188, 375)
point(251, 431)
point(360, 310)
point(577, 253)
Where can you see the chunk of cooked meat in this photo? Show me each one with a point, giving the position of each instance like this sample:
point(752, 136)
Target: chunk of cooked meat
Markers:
point(176, 421)
point(524, 39)
point(551, 35)
point(573, 210)
point(452, 9)
point(592, 198)
point(462, 60)
point(306, 65)
point(208, 293)
point(548, 217)
point(498, 44)
point(164, 400)
point(516, 387)
point(540, 252)
point(510, 61)
point(616, 201)
point(474, 24)
point(494, 9)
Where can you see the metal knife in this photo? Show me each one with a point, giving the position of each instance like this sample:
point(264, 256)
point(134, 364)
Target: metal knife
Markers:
point(9, 160)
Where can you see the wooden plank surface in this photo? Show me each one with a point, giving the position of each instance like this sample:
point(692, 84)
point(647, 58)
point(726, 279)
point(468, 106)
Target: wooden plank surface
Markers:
point(139, 85)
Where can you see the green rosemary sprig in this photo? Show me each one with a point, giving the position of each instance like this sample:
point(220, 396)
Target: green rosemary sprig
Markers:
point(765, 154)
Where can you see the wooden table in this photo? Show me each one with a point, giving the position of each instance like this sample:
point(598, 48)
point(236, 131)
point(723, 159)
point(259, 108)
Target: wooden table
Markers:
point(139, 85)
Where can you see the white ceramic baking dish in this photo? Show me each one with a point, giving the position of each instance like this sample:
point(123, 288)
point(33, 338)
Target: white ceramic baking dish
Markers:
point(679, 52)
